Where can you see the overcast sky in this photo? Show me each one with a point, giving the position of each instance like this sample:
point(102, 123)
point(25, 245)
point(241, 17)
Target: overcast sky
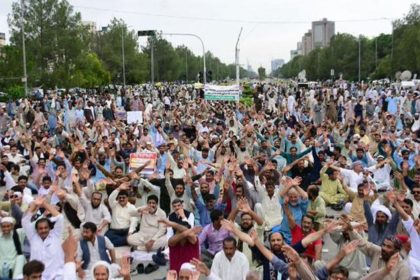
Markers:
point(271, 28)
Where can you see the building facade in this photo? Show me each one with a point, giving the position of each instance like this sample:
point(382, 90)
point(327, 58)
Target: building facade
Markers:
point(322, 32)
point(2, 39)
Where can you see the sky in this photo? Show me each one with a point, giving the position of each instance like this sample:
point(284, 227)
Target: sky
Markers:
point(271, 28)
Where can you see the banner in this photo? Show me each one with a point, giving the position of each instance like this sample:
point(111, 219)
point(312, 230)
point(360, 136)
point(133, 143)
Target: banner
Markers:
point(134, 117)
point(221, 93)
point(139, 159)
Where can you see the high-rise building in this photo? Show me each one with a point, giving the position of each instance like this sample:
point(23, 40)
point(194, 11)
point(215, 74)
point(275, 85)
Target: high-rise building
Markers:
point(276, 64)
point(307, 43)
point(91, 25)
point(2, 39)
point(322, 32)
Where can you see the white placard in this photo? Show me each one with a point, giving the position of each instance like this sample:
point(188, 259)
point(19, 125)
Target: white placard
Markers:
point(134, 117)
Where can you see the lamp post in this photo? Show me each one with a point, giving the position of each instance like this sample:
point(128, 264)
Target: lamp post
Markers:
point(204, 50)
point(360, 37)
point(237, 57)
point(123, 53)
point(152, 34)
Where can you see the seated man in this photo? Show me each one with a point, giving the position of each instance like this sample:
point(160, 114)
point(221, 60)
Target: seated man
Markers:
point(182, 236)
point(230, 263)
point(314, 250)
point(94, 247)
point(11, 241)
point(332, 191)
point(212, 236)
point(152, 234)
point(124, 216)
point(297, 200)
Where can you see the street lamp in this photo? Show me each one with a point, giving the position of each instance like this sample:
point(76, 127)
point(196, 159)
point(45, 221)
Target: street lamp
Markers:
point(237, 57)
point(204, 50)
point(360, 38)
point(150, 33)
point(123, 53)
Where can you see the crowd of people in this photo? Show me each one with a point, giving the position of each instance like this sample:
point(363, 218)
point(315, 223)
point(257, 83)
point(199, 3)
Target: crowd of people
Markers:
point(307, 183)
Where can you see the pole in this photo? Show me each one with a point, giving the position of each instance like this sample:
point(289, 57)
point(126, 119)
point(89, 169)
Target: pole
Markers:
point(359, 57)
point(25, 75)
point(152, 60)
point(376, 52)
point(123, 54)
point(186, 65)
point(204, 50)
point(237, 57)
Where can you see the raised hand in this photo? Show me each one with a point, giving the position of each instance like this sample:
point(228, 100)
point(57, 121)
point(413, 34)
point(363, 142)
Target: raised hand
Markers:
point(244, 205)
point(171, 275)
point(350, 247)
point(228, 225)
point(291, 254)
point(392, 262)
point(200, 266)
point(39, 201)
point(125, 266)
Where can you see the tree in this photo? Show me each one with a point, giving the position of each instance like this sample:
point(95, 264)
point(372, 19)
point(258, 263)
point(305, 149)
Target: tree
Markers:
point(261, 73)
point(55, 39)
point(108, 46)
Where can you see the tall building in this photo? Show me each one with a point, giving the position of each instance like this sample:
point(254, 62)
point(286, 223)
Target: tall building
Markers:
point(91, 25)
point(2, 39)
point(276, 64)
point(322, 32)
point(307, 43)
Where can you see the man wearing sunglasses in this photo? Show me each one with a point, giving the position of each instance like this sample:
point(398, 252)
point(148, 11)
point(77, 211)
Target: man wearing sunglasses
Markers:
point(124, 216)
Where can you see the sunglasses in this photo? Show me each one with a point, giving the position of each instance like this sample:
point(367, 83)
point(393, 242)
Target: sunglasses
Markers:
point(416, 192)
point(122, 197)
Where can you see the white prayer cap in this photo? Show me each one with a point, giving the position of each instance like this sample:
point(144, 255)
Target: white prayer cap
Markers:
point(187, 266)
point(7, 220)
point(383, 209)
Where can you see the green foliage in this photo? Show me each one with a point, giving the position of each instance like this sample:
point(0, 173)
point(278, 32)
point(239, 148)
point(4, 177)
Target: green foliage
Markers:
point(381, 56)
point(261, 73)
point(13, 93)
point(62, 52)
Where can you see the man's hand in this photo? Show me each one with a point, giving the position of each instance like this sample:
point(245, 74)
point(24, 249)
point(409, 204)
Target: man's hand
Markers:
point(291, 254)
point(243, 205)
point(125, 267)
point(149, 245)
point(200, 266)
point(39, 201)
point(228, 225)
point(392, 262)
point(350, 247)
point(70, 247)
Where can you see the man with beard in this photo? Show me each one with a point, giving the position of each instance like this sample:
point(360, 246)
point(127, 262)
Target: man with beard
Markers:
point(178, 192)
point(96, 212)
point(11, 244)
point(276, 242)
point(93, 248)
point(381, 222)
point(165, 199)
point(380, 255)
point(248, 219)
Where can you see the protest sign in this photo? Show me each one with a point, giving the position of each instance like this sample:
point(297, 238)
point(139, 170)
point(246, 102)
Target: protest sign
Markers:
point(134, 117)
point(139, 159)
point(221, 93)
